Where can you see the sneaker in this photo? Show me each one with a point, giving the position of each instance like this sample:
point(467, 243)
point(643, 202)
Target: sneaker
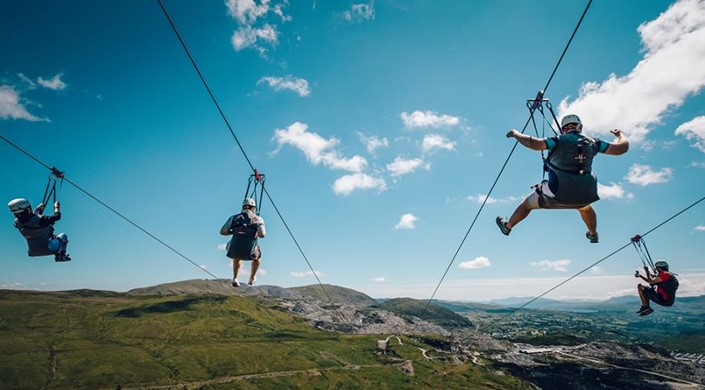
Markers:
point(646, 312)
point(252, 281)
point(594, 239)
point(235, 283)
point(642, 309)
point(502, 223)
point(61, 257)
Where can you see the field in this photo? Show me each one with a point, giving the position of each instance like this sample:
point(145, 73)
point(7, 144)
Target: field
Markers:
point(94, 340)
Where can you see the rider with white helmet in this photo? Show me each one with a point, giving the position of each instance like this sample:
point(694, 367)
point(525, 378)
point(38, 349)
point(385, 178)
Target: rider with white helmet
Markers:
point(245, 227)
point(38, 229)
point(661, 289)
point(571, 183)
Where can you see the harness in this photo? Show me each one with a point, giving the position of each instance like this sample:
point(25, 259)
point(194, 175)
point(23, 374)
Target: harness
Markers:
point(243, 244)
point(38, 236)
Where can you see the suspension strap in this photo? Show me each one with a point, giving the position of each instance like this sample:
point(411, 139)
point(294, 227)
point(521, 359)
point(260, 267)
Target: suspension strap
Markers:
point(644, 255)
point(533, 105)
point(51, 192)
point(255, 182)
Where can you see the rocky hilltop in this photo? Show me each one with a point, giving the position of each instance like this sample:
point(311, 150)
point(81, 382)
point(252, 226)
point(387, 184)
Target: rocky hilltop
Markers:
point(347, 310)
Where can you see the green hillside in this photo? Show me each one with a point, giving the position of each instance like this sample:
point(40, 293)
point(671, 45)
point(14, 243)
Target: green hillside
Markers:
point(93, 341)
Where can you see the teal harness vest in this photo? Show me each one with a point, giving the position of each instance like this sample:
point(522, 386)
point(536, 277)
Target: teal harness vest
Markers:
point(569, 166)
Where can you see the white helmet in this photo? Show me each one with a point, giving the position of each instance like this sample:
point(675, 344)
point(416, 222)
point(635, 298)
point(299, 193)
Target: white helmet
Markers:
point(249, 202)
point(18, 205)
point(572, 118)
point(661, 264)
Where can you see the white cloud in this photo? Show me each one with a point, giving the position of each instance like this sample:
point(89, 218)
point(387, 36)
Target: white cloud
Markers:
point(547, 265)
point(360, 12)
point(55, 83)
point(478, 262)
point(12, 106)
point(612, 191)
point(407, 221)
point(221, 247)
point(700, 228)
point(253, 28)
point(247, 36)
point(305, 274)
point(401, 166)
point(697, 164)
point(643, 175)
point(379, 279)
point(247, 11)
point(436, 141)
point(317, 149)
point(670, 71)
point(479, 198)
point(30, 83)
point(290, 83)
point(426, 119)
point(597, 270)
point(202, 266)
point(373, 143)
point(357, 181)
point(694, 130)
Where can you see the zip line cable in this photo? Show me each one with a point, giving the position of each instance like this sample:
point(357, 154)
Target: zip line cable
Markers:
point(601, 260)
point(501, 171)
point(232, 132)
point(128, 220)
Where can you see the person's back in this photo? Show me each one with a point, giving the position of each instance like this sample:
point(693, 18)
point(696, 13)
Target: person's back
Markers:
point(36, 232)
point(244, 227)
point(667, 287)
point(569, 166)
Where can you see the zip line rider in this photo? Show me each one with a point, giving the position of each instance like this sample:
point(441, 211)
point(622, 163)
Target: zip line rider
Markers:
point(38, 229)
point(245, 227)
point(571, 183)
point(662, 289)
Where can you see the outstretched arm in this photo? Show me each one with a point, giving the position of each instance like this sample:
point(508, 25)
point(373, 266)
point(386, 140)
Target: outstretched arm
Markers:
point(620, 145)
point(527, 140)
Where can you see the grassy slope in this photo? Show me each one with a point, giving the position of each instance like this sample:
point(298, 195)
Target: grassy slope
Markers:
point(62, 341)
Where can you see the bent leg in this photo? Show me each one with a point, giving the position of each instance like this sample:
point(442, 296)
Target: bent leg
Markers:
point(521, 212)
point(644, 300)
point(589, 217)
point(63, 242)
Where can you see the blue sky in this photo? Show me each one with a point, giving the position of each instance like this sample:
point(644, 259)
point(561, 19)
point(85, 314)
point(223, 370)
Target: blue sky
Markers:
point(380, 126)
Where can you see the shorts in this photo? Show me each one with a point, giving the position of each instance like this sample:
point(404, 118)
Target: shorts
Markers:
point(652, 295)
point(542, 198)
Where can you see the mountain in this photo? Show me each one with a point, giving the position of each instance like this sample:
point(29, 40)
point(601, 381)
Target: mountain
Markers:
point(438, 315)
point(337, 294)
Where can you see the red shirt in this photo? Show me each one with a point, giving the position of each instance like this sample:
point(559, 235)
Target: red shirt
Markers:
point(665, 277)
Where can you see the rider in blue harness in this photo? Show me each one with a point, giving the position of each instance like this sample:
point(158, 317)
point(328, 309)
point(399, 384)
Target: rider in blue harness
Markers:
point(571, 183)
point(38, 229)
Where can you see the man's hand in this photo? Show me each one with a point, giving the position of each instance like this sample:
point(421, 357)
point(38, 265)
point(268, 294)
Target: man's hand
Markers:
point(57, 206)
point(40, 208)
point(513, 133)
point(636, 274)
